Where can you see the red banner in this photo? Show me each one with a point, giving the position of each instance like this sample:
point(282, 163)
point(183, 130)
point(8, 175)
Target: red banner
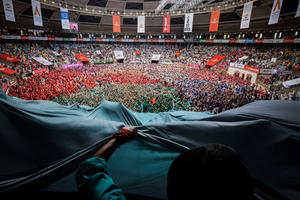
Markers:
point(166, 24)
point(116, 23)
point(257, 41)
point(24, 37)
point(297, 68)
point(6, 71)
point(215, 60)
point(252, 68)
point(232, 41)
point(288, 39)
point(9, 58)
point(214, 21)
point(82, 57)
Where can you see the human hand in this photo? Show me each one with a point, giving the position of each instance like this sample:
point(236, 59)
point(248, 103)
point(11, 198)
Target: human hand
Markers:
point(126, 132)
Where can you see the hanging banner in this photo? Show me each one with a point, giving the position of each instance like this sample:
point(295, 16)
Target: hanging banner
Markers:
point(166, 24)
point(116, 23)
point(9, 10)
point(275, 12)
point(214, 21)
point(246, 17)
point(188, 22)
point(298, 10)
point(64, 16)
point(141, 24)
point(37, 13)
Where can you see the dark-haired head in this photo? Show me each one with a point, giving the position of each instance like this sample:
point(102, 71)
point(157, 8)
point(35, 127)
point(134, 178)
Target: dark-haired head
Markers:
point(211, 172)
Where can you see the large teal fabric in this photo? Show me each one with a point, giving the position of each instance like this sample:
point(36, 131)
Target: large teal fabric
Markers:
point(43, 143)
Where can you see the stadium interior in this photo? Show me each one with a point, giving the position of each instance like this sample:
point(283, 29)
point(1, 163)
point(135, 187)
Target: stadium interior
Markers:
point(183, 73)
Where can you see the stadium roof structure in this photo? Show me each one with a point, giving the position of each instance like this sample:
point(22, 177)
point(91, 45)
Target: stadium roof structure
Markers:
point(94, 16)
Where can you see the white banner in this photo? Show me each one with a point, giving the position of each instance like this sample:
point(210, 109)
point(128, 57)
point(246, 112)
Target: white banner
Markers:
point(246, 17)
point(141, 24)
point(275, 12)
point(298, 10)
point(119, 54)
point(244, 58)
point(268, 71)
point(64, 16)
point(274, 60)
point(9, 10)
point(156, 57)
point(292, 82)
point(237, 65)
point(43, 61)
point(37, 13)
point(188, 22)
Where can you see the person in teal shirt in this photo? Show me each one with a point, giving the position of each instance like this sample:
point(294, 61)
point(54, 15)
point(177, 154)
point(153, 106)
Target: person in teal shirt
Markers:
point(209, 172)
point(92, 176)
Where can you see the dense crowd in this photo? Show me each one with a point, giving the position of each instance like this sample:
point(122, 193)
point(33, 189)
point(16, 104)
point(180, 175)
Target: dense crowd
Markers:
point(180, 82)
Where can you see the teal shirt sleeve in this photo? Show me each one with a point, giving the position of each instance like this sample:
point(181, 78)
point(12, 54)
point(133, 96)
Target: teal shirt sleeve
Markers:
point(94, 182)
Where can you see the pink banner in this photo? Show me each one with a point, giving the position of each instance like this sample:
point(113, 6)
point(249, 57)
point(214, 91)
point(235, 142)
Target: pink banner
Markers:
point(67, 66)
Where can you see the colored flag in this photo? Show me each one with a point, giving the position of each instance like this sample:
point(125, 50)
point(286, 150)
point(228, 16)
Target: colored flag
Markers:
point(246, 17)
point(298, 10)
point(214, 21)
point(116, 23)
point(9, 10)
point(153, 101)
point(166, 24)
point(37, 13)
point(275, 12)
point(64, 16)
point(73, 26)
point(141, 24)
point(188, 22)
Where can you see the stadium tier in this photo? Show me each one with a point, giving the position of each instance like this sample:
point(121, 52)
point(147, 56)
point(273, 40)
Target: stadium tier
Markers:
point(150, 99)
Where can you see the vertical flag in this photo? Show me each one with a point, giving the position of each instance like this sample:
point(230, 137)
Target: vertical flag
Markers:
point(246, 17)
point(37, 13)
point(214, 21)
point(188, 22)
point(9, 10)
point(275, 12)
point(64, 16)
point(298, 10)
point(141, 24)
point(116, 23)
point(166, 24)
